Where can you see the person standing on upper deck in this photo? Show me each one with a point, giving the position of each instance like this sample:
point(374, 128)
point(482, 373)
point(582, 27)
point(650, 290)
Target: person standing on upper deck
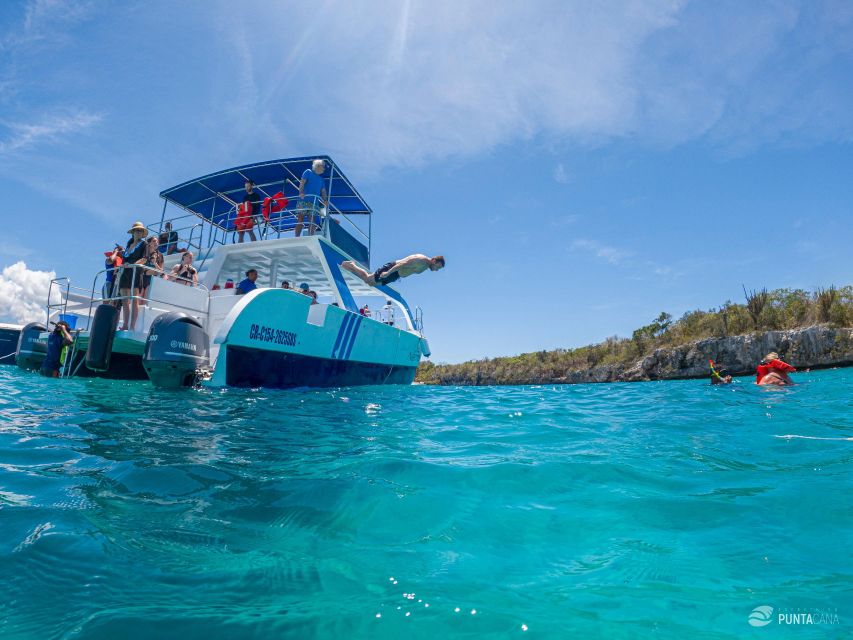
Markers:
point(312, 195)
point(168, 240)
point(246, 222)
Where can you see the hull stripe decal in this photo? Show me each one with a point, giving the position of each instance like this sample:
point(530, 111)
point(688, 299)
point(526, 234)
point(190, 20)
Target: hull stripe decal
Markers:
point(350, 321)
point(341, 330)
point(348, 350)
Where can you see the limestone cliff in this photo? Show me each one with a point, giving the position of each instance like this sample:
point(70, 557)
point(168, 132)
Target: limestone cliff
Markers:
point(811, 347)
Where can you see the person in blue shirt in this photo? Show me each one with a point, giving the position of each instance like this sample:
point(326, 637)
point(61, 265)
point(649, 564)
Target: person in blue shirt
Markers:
point(248, 284)
point(312, 196)
point(58, 339)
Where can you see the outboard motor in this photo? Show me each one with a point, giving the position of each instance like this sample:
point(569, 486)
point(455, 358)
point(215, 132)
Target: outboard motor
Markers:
point(101, 335)
point(31, 351)
point(176, 347)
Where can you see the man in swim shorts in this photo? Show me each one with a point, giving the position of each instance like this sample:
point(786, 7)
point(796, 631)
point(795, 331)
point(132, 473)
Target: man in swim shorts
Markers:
point(393, 271)
point(772, 371)
point(312, 197)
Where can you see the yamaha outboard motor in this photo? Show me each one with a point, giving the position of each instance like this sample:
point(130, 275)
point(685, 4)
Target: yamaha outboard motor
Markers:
point(101, 335)
point(31, 351)
point(176, 347)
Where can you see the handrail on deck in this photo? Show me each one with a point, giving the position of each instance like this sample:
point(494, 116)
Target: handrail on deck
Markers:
point(133, 287)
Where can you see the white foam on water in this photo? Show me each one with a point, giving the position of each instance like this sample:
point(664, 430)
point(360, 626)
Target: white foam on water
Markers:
point(792, 436)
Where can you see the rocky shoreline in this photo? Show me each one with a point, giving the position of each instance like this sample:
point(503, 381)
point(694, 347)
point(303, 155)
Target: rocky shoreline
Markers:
point(815, 347)
point(809, 348)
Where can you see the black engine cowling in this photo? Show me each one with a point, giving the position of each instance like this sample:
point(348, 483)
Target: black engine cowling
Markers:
point(175, 349)
point(31, 351)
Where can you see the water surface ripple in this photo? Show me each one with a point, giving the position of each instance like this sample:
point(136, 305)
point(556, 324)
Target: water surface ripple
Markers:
point(664, 510)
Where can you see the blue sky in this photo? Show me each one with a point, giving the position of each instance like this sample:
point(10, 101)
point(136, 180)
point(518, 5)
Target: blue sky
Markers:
point(582, 166)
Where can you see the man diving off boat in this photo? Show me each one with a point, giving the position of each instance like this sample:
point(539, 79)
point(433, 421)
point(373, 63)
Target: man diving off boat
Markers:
point(393, 271)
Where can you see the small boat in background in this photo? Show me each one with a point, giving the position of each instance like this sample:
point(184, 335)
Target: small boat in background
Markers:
point(9, 335)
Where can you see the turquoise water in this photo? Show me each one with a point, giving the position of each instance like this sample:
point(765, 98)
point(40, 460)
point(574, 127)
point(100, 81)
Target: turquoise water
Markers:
point(665, 510)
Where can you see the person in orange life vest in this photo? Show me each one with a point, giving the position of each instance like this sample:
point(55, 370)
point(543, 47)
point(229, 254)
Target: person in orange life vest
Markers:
point(112, 263)
point(772, 371)
point(246, 212)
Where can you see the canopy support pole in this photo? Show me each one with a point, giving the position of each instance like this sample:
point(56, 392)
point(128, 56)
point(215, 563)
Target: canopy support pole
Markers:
point(328, 220)
point(163, 215)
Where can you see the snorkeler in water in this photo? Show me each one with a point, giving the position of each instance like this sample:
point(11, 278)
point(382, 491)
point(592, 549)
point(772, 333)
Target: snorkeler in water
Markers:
point(773, 371)
point(717, 377)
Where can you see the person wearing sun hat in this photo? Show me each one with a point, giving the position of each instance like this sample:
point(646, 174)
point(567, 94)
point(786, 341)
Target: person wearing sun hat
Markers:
point(130, 281)
point(773, 371)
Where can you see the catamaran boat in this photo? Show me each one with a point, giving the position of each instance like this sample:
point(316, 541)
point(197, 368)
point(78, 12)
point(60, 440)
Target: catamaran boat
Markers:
point(270, 337)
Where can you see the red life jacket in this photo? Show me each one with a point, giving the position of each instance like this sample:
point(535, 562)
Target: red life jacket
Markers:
point(763, 369)
point(273, 205)
point(244, 220)
point(279, 202)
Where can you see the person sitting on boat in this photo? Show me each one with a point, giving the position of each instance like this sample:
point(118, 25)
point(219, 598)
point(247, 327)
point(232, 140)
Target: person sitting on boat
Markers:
point(111, 264)
point(305, 290)
point(773, 371)
point(248, 284)
point(56, 342)
point(285, 284)
point(393, 271)
point(130, 280)
point(184, 272)
point(246, 212)
point(312, 195)
point(168, 240)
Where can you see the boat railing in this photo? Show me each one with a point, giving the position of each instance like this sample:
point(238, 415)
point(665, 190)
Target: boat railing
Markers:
point(56, 284)
point(316, 219)
point(114, 296)
point(419, 320)
point(60, 293)
point(186, 230)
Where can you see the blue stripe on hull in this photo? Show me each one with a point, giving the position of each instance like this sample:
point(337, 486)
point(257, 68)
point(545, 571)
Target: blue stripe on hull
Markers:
point(273, 369)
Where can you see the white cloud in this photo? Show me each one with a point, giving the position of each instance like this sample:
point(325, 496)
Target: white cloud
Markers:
point(402, 83)
point(560, 174)
point(44, 21)
point(605, 252)
point(405, 83)
point(23, 293)
point(23, 135)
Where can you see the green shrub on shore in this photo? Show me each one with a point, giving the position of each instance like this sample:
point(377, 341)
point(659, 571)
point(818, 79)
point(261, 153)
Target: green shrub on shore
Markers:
point(764, 311)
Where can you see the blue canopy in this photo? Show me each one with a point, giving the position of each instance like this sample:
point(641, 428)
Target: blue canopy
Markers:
point(214, 196)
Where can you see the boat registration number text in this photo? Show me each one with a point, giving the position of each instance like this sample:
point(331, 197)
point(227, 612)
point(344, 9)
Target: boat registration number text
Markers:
point(270, 334)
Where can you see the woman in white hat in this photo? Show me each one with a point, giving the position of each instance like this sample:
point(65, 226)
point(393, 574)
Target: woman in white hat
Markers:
point(130, 281)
